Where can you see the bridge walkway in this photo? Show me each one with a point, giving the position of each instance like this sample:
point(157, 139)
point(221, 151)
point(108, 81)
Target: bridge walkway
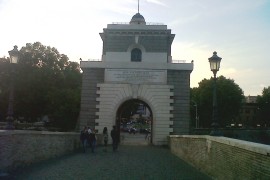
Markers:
point(129, 162)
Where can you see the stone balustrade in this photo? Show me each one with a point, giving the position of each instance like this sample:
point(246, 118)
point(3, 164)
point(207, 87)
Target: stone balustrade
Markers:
point(223, 158)
point(218, 157)
point(20, 148)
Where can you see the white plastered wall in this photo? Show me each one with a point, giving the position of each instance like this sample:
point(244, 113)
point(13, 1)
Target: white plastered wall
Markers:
point(111, 96)
point(125, 57)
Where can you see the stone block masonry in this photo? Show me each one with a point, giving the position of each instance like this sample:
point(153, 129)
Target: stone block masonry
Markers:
point(223, 158)
point(88, 95)
point(20, 148)
point(181, 110)
point(111, 96)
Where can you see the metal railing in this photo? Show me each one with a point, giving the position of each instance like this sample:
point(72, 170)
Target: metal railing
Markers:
point(178, 61)
point(148, 23)
point(94, 60)
point(173, 61)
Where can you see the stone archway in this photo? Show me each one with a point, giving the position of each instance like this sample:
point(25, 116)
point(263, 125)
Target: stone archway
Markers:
point(157, 97)
point(134, 119)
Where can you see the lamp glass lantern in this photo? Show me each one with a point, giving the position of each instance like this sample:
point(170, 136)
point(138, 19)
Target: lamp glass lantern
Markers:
point(214, 62)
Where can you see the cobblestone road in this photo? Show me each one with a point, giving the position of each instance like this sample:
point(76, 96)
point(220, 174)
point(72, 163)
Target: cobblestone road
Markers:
point(129, 162)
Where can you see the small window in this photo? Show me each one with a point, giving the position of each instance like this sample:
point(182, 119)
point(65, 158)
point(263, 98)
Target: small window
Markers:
point(136, 55)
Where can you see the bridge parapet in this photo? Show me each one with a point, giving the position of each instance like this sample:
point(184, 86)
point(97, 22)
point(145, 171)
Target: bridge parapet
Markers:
point(20, 148)
point(223, 158)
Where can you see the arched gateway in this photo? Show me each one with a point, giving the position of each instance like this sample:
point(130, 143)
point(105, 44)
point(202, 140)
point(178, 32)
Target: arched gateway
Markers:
point(135, 120)
point(137, 65)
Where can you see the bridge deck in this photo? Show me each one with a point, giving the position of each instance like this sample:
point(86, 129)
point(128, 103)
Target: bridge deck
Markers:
point(129, 162)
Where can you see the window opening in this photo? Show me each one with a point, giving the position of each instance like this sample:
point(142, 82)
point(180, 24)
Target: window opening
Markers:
point(136, 55)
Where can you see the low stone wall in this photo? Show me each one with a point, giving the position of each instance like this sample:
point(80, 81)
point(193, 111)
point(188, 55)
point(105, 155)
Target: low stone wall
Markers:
point(20, 148)
point(257, 135)
point(223, 158)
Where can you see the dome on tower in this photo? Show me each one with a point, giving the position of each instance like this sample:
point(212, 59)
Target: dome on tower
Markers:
point(137, 19)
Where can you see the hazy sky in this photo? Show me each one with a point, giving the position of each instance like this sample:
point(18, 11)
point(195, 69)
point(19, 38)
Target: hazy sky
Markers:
point(239, 30)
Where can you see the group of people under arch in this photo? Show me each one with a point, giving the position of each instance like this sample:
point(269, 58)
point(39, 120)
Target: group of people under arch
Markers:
point(88, 138)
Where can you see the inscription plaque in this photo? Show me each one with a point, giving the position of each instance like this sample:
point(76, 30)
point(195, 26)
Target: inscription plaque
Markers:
point(135, 76)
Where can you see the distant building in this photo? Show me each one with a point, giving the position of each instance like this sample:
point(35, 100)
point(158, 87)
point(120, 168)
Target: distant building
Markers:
point(248, 113)
point(251, 99)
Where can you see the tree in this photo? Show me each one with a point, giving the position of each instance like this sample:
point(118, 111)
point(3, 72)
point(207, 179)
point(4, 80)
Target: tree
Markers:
point(47, 83)
point(264, 107)
point(4, 86)
point(129, 108)
point(229, 98)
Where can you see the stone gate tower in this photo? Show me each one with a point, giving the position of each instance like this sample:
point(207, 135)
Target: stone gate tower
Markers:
point(137, 64)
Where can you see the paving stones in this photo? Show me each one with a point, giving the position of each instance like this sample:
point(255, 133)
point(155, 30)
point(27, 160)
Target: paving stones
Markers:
point(129, 162)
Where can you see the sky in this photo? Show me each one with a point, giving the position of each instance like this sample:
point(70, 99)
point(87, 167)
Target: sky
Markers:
point(239, 30)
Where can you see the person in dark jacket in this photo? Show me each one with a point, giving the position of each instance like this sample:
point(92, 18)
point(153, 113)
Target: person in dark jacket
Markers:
point(105, 136)
point(93, 140)
point(115, 138)
point(83, 138)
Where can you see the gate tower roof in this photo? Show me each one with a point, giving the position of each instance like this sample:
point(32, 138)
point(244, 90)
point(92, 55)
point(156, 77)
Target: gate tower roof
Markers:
point(137, 19)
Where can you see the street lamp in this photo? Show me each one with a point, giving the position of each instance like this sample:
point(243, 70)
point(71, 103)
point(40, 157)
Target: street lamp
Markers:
point(14, 58)
point(197, 118)
point(214, 66)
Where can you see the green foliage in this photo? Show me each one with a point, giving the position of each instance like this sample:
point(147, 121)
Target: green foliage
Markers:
point(64, 107)
point(129, 108)
point(4, 86)
point(229, 98)
point(264, 107)
point(46, 83)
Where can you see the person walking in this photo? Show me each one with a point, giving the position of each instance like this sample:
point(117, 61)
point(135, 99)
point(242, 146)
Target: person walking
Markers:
point(89, 131)
point(115, 138)
point(105, 138)
point(93, 140)
point(83, 138)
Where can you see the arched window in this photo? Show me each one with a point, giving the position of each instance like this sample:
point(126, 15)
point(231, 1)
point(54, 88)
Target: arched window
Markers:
point(136, 55)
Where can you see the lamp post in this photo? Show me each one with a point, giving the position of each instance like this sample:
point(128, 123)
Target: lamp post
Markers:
point(14, 57)
point(196, 114)
point(197, 118)
point(214, 66)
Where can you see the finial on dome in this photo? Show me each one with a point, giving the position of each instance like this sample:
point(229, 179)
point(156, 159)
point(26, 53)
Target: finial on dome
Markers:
point(137, 19)
point(138, 6)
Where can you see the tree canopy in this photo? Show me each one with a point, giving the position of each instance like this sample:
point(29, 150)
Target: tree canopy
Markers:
point(264, 107)
point(46, 83)
point(229, 98)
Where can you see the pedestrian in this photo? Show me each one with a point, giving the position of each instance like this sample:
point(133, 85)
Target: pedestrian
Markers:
point(105, 138)
point(89, 131)
point(83, 138)
point(93, 140)
point(146, 133)
point(115, 138)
